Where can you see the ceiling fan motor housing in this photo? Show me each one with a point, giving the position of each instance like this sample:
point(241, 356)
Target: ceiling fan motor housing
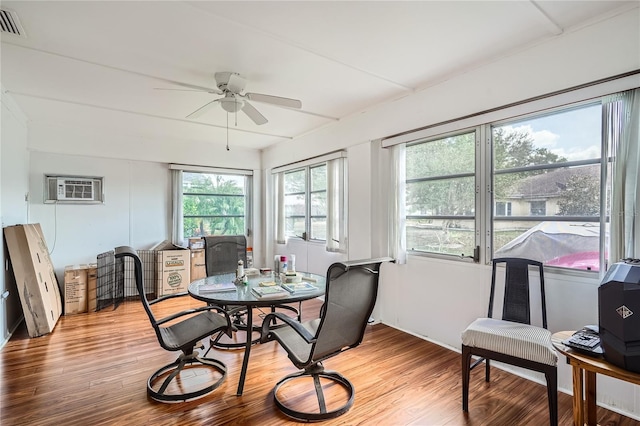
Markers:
point(230, 82)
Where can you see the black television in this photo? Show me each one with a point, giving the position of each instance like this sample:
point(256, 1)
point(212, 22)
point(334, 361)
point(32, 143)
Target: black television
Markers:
point(619, 314)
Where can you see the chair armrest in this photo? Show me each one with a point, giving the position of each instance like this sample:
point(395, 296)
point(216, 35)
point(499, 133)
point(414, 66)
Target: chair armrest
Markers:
point(265, 334)
point(195, 311)
point(167, 297)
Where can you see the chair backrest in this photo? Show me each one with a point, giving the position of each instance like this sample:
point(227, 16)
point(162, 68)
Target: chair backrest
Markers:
point(122, 253)
point(516, 305)
point(351, 292)
point(222, 252)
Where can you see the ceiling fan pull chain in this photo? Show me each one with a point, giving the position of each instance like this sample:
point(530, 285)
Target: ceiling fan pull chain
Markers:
point(227, 131)
point(236, 111)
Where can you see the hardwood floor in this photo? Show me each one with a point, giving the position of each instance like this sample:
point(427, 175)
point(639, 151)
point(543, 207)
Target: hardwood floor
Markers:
point(93, 370)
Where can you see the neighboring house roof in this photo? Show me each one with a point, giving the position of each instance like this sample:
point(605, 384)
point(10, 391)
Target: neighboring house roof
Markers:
point(550, 184)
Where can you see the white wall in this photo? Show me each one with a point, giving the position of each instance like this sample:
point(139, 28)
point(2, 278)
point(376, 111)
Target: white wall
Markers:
point(137, 186)
point(136, 210)
point(14, 167)
point(437, 299)
point(92, 142)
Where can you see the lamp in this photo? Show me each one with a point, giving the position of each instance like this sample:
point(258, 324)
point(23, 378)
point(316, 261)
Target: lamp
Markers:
point(230, 103)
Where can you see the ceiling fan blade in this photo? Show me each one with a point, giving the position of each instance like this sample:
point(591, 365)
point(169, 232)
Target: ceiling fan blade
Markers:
point(204, 108)
point(180, 90)
point(275, 100)
point(236, 83)
point(194, 87)
point(254, 114)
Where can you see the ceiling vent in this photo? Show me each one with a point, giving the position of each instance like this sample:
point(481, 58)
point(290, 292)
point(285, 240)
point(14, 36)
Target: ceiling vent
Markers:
point(10, 24)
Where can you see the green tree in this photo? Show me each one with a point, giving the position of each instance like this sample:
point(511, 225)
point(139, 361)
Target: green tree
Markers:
point(581, 197)
point(440, 159)
point(436, 181)
point(514, 149)
point(217, 196)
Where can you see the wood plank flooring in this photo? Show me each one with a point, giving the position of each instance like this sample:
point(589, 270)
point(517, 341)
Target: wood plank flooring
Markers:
point(93, 368)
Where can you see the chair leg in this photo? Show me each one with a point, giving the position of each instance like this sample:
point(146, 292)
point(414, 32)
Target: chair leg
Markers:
point(487, 370)
point(552, 392)
point(466, 372)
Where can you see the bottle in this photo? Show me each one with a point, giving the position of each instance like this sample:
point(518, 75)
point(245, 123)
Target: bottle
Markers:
point(283, 264)
point(276, 264)
point(249, 257)
point(240, 272)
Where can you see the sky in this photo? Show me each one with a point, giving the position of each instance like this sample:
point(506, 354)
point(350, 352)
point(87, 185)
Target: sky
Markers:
point(574, 134)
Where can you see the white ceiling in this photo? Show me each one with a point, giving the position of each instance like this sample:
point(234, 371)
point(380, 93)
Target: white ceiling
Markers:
point(98, 64)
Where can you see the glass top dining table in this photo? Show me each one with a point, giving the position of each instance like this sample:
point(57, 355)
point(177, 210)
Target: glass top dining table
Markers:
point(242, 295)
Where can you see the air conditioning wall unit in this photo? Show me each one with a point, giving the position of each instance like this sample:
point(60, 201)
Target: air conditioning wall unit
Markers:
point(74, 189)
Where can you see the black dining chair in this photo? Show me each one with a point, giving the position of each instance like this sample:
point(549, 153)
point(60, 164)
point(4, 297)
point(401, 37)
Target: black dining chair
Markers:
point(180, 331)
point(351, 292)
point(512, 339)
point(222, 253)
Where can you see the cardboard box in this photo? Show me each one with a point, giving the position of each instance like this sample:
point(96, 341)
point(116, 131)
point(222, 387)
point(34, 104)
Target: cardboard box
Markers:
point(35, 277)
point(198, 266)
point(75, 289)
point(174, 268)
point(196, 243)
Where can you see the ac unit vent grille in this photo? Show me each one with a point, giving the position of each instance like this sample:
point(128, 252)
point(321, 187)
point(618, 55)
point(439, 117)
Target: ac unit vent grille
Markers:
point(78, 189)
point(10, 24)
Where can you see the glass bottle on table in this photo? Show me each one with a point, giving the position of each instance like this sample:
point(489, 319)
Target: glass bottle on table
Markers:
point(249, 257)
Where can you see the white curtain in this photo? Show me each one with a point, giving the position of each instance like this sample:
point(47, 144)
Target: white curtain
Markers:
point(397, 215)
point(279, 207)
point(336, 217)
point(177, 235)
point(622, 134)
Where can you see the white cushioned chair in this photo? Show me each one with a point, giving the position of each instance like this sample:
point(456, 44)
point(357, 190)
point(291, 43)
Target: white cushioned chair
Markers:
point(512, 339)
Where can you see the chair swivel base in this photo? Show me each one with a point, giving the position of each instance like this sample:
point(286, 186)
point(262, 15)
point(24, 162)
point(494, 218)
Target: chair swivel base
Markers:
point(240, 323)
point(316, 372)
point(228, 344)
point(171, 373)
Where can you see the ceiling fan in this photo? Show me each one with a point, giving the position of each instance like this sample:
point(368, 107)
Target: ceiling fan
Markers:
point(231, 85)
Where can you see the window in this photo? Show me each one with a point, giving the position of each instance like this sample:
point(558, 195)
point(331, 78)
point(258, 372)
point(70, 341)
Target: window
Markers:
point(215, 204)
point(537, 208)
point(318, 203)
point(537, 186)
point(441, 195)
point(548, 167)
point(295, 203)
point(311, 201)
point(503, 208)
point(305, 203)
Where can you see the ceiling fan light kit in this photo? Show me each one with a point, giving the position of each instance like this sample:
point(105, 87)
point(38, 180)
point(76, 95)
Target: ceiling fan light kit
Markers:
point(231, 104)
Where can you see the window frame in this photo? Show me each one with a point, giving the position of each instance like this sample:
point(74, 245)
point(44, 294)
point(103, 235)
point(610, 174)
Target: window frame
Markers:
point(485, 203)
point(247, 216)
point(308, 193)
point(602, 161)
point(476, 218)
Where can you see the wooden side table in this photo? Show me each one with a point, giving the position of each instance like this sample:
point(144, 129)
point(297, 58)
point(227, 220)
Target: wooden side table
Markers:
point(584, 369)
